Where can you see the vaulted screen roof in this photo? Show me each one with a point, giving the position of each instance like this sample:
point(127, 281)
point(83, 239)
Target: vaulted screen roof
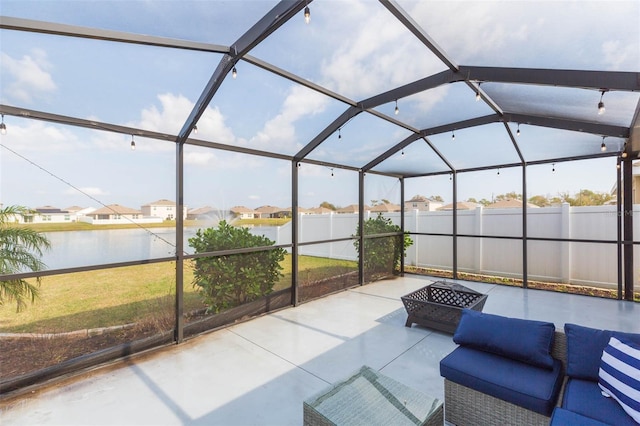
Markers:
point(405, 88)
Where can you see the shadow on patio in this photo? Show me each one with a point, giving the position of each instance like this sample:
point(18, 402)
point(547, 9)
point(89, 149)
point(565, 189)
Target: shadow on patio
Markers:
point(260, 371)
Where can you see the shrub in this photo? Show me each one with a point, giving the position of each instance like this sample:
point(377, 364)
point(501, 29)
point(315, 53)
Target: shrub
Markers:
point(231, 280)
point(383, 254)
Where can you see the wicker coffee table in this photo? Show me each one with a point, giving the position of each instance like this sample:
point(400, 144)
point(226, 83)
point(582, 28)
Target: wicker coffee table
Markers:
point(439, 305)
point(370, 398)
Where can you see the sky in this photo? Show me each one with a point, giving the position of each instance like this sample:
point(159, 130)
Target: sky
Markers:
point(355, 48)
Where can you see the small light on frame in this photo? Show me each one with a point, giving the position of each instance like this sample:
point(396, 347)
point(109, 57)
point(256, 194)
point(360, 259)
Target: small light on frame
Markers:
point(307, 15)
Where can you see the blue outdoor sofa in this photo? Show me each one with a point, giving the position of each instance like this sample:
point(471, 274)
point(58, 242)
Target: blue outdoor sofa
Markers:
point(514, 371)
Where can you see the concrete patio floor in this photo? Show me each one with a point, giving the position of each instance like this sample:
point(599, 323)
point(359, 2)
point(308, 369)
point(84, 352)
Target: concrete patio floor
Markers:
point(259, 372)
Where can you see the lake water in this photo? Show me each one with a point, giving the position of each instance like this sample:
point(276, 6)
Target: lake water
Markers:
point(83, 248)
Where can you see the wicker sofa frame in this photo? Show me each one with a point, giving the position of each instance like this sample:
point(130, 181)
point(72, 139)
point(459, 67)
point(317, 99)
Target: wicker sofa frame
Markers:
point(465, 406)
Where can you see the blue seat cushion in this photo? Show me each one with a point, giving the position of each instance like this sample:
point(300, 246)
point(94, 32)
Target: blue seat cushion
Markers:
point(519, 383)
point(584, 397)
point(528, 341)
point(562, 417)
point(584, 349)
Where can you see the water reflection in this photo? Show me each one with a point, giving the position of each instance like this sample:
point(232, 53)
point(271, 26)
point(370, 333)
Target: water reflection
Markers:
point(83, 248)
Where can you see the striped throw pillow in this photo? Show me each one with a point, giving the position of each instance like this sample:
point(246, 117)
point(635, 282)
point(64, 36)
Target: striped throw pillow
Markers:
point(619, 376)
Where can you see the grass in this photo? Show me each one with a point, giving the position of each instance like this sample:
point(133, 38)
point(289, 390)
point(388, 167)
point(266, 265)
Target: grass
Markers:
point(110, 297)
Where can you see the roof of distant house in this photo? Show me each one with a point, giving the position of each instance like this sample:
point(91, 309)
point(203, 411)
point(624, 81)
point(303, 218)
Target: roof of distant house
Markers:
point(116, 209)
point(320, 210)
point(241, 209)
point(421, 199)
point(49, 209)
point(203, 210)
point(460, 205)
point(385, 207)
point(74, 209)
point(162, 202)
point(268, 209)
point(352, 208)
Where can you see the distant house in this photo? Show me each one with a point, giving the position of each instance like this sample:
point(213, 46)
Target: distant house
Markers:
point(117, 214)
point(301, 210)
point(77, 211)
point(203, 213)
point(269, 212)
point(320, 210)
point(385, 208)
point(460, 205)
point(45, 214)
point(165, 209)
point(285, 213)
point(352, 208)
point(242, 212)
point(49, 214)
point(422, 203)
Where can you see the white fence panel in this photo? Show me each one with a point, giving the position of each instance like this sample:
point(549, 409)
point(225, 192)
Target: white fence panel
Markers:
point(577, 263)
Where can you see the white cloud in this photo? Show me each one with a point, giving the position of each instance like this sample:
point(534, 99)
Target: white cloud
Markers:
point(376, 56)
point(253, 197)
point(279, 133)
point(617, 57)
point(89, 190)
point(543, 34)
point(39, 136)
point(28, 76)
point(200, 158)
point(174, 111)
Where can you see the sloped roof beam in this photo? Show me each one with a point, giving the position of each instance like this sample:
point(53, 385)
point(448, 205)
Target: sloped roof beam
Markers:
point(296, 79)
point(270, 22)
point(611, 80)
point(565, 124)
point(432, 131)
point(464, 124)
point(514, 142)
point(391, 151)
point(431, 82)
point(412, 26)
point(328, 131)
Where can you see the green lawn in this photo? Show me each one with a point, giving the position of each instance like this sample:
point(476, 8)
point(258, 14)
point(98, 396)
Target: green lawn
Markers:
point(118, 296)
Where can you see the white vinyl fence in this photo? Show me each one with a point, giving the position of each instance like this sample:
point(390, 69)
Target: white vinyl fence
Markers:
point(568, 262)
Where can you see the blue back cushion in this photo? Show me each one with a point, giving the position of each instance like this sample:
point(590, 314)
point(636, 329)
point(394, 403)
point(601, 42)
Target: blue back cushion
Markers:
point(584, 349)
point(523, 340)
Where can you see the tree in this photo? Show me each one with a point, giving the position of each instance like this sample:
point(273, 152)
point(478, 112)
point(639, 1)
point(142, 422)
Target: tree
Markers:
point(540, 201)
point(437, 198)
point(328, 205)
point(484, 201)
point(509, 196)
point(585, 197)
point(20, 250)
point(231, 280)
point(383, 254)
